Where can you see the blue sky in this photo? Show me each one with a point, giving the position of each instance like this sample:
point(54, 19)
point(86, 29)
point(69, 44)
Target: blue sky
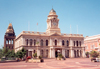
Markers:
point(84, 13)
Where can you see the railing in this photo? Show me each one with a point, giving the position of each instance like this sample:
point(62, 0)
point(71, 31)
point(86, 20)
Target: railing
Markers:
point(32, 32)
point(42, 33)
point(71, 34)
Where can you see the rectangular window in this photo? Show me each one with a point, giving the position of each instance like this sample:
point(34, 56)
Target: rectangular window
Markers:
point(93, 46)
point(86, 47)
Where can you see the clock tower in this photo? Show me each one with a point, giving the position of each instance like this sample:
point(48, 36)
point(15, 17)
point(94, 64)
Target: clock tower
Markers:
point(53, 23)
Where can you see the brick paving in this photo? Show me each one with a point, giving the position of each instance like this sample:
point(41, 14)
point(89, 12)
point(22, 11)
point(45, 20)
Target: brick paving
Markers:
point(69, 63)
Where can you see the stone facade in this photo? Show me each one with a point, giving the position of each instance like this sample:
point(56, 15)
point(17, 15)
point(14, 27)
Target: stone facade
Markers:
point(48, 44)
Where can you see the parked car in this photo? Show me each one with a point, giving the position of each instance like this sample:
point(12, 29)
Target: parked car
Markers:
point(94, 59)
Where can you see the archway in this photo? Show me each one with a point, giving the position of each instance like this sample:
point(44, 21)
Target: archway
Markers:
point(80, 53)
point(75, 53)
point(55, 42)
point(56, 54)
point(57, 51)
point(67, 53)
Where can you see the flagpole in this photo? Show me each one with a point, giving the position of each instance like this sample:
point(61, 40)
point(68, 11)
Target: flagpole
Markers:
point(77, 29)
point(37, 27)
point(70, 29)
point(28, 27)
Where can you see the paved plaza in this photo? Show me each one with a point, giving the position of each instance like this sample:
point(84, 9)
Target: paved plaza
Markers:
point(69, 63)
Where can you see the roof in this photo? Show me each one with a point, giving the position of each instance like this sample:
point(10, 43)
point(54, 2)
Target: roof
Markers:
point(52, 10)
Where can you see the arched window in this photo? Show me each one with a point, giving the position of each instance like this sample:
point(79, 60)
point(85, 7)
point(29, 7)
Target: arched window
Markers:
point(77, 53)
point(34, 51)
point(46, 42)
point(34, 42)
point(42, 53)
point(77, 43)
point(55, 42)
point(30, 42)
point(67, 43)
point(6, 41)
point(46, 53)
point(63, 42)
point(12, 41)
point(27, 42)
point(9, 41)
point(80, 43)
point(41, 42)
point(74, 43)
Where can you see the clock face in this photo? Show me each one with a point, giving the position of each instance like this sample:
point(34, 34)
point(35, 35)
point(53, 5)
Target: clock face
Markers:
point(55, 24)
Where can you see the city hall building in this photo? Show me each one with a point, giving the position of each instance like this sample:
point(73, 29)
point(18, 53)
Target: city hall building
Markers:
point(48, 44)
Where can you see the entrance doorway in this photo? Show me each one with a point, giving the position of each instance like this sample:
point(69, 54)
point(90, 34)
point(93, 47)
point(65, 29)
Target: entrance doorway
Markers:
point(56, 54)
point(57, 51)
point(30, 53)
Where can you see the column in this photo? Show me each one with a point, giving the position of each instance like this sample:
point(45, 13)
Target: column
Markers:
point(71, 53)
point(50, 52)
point(53, 42)
point(60, 42)
point(28, 53)
point(80, 53)
point(33, 43)
point(23, 41)
point(63, 52)
point(83, 52)
point(11, 41)
point(82, 43)
point(44, 42)
point(50, 42)
point(71, 43)
point(53, 53)
point(38, 52)
point(28, 42)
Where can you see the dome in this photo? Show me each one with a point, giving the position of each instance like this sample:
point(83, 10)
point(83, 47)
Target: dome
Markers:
point(10, 29)
point(52, 10)
point(10, 24)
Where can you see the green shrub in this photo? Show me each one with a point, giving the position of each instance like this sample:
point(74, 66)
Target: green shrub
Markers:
point(60, 55)
point(40, 57)
point(87, 54)
point(94, 54)
point(35, 55)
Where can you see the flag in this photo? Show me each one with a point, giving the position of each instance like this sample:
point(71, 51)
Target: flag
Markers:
point(37, 23)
